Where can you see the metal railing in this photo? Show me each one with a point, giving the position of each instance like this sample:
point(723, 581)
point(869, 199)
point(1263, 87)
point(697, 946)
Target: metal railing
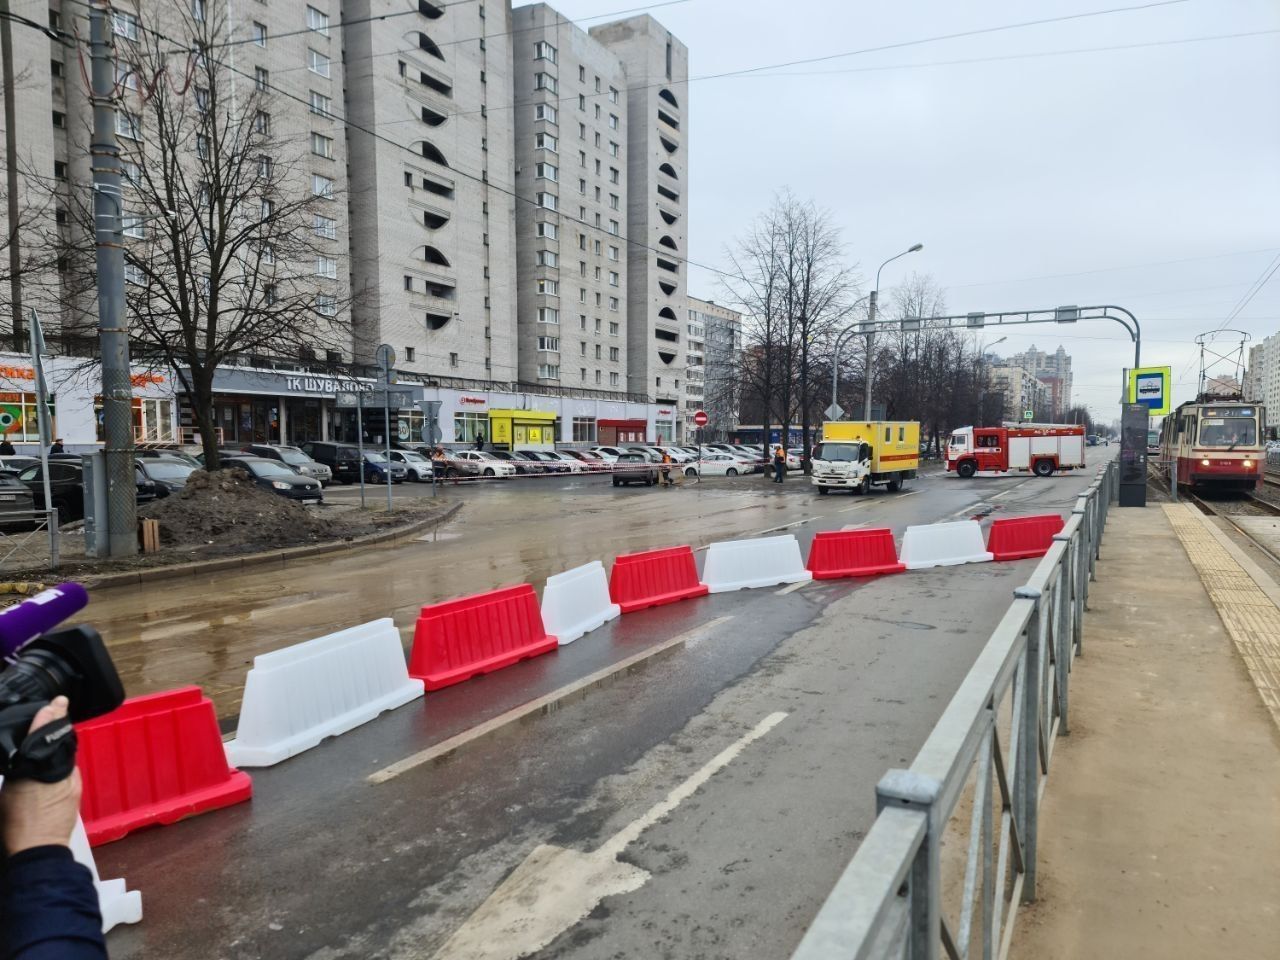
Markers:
point(984, 765)
point(27, 547)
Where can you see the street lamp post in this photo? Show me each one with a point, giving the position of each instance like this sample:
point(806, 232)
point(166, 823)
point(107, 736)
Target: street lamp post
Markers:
point(871, 320)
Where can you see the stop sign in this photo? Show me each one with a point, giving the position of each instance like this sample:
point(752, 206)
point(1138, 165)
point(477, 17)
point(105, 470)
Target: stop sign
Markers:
point(700, 418)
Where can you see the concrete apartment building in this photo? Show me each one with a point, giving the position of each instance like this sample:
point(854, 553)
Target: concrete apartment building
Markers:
point(1022, 391)
point(498, 220)
point(657, 145)
point(715, 340)
point(1054, 369)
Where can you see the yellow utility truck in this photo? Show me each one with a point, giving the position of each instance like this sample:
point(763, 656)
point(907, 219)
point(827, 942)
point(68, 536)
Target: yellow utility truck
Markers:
point(856, 455)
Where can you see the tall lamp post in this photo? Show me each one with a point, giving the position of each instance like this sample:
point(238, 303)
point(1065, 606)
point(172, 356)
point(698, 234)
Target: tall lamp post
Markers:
point(871, 319)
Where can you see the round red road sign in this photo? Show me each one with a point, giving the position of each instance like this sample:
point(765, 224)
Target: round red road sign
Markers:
point(700, 418)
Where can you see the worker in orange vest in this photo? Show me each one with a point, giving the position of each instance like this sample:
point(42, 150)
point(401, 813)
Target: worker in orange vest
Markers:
point(666, 468)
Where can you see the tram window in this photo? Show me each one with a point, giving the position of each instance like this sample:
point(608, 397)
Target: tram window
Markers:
point(1228, 432)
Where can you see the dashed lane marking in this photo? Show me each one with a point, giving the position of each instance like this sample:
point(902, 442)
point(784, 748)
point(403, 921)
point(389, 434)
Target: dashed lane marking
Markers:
point(792, 588)
point(785, 526)
point(540, 704)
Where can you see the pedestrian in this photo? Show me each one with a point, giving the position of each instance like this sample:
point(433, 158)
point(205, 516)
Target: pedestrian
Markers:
point(666, 468)
point(480, 440)
point(6, 448)
point(57, 446)
point(779, 463)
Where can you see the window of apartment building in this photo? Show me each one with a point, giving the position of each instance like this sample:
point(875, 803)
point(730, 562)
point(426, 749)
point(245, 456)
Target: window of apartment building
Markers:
point(59, 119)
point(131, 223)
point(321, 186)
point(262, 123)
point(597, 221)
point(613, 121)
point(125, 77)
point(597, 140)
point(613, 304)
point(597, 330)
point(613, 94)
point(317, 62)
point(582, 374)
point(613, 379)
point(614, 202)
point(124, 24)
point(327, 305)
point(544, 51)
point(582, 158)
point(327, 267)
point(197, 11)
point(582, 293)
point(668, 59)
point(582, 241)
point(614, 352)
point(597, 273)
point(326, 227)
point(613, 227)
point(60, 170)
point(259, 33)
point(597, 351)
point(597, 248)
point(202, 99)
point(582, 348)
point(547, 171)
point(582, 214)
point(128, 125)
point(584, 429)
point(549, 288)
point(598, 300)
point(322, 146)
point(582, 321)
point(551, 344)
point(582, 185)
point(597, 376)
point(613, 253)
point(546, 200)
point(400, 67)
point(266, 209)
point(409, 354)
point(613, 278)
point(548, 371)
point(548, 230)
point(597, 84)
point(597, 194)
point(582, 105)
point(133, 274)
point(202, 146)
point(545, 141)
point(545, 81)
point(613, 328)
point(57, 70)
point(597, 111)
point(613, 149)
point(548, 258)
point(582, 74)
point(317, 21)
point(453, 359)
point(262, 80)
point(266, 167)
point(614, 176)
point(544, 111)
point(549, 315)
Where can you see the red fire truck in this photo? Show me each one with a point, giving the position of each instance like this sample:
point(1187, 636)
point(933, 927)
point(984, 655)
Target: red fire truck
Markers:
point(1041, 448)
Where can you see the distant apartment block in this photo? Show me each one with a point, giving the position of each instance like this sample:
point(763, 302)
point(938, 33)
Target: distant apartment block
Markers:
point(714, 370)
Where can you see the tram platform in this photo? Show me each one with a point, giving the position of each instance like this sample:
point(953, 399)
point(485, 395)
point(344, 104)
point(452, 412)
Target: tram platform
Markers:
point(1158, 830)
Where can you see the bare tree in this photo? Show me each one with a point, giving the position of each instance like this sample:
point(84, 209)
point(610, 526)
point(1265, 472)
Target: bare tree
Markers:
point(226, 250)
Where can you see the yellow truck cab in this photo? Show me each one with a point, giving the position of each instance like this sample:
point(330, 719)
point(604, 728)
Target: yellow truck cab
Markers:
point(858, 455)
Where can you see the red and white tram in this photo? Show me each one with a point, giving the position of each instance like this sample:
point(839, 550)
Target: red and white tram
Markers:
point(1215, 446)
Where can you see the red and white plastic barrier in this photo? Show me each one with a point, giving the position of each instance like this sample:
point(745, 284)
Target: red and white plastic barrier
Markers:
point(759, 562)
point(577, 601)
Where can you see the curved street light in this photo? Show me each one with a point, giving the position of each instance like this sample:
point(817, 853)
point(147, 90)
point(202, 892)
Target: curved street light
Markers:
point(871, 319)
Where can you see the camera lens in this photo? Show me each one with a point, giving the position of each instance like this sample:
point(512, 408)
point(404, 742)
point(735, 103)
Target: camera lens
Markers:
point(36, 674)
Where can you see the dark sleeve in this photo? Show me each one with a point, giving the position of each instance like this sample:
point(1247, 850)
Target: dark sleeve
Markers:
point(49, 908)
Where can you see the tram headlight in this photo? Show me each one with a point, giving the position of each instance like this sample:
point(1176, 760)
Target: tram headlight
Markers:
point(1248, 464)
point(1204, 463)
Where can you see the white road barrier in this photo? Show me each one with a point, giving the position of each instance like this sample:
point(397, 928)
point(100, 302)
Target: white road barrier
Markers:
point(759, 562)
point(943, 545)
point(298, 696)
point(117, 903)
point(577, 601)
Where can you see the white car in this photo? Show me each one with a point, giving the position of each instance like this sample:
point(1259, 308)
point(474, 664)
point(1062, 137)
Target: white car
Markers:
point(677, 456)
point(481, 463)
point(419, 466)
point(575, 466)
point(608, 454)
point(718, 465)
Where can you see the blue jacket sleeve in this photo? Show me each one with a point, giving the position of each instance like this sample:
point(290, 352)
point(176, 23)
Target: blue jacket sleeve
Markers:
point(49, 908)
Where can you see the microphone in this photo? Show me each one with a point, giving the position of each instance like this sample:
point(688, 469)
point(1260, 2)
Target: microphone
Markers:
point(23, 622)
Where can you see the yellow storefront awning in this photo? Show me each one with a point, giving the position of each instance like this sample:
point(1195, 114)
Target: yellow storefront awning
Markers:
point(519, 427)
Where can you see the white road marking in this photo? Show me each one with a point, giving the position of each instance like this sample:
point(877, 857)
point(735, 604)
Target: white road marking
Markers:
point(856, 506)
point(792, 588)
point(541, 703)
point(967, 511)
point(1005, 493)
point(854, 526)
point(555, 887)
point(785, 526)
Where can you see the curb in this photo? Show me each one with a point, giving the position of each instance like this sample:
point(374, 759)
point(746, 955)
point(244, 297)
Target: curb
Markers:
point(199, 567)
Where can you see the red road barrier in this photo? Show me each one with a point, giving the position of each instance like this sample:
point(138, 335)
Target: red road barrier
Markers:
point(853, 553)
point(155, 759)
point(655, 577)
point(460, 639)
point(1018, 538)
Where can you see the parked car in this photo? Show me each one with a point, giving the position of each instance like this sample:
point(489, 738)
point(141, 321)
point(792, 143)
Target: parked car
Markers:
point(17, 502)
point(418, 466)
point(542, 466)
point(376, 468)
point(294, 457)
point(16, 464)
point(279, 478)
point(570, 465)
point(593, 462)
point(342, 459)
point(169, 453)
point(718, 465)
point(637, 467)
point(66, 487)
point(480, 463)
point(521, 465)
point(608, 454)
point(171, 473)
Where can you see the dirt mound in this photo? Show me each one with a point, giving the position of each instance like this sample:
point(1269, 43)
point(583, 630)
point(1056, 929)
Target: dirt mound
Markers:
point(226, 507)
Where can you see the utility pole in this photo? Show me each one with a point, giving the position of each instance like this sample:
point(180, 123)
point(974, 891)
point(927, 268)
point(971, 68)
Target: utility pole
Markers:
point(871, 319)
point(11, 170)
point(113, 332)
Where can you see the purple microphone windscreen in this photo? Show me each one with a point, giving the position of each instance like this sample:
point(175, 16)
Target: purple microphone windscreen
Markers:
point(22, 623)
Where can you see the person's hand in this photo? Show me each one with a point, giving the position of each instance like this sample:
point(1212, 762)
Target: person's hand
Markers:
point(38, 814)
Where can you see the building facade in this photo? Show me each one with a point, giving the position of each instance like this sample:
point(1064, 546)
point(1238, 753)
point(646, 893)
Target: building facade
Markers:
point(497, 217)
point(1052, 368)
point(719, 375)
point(1021, 391)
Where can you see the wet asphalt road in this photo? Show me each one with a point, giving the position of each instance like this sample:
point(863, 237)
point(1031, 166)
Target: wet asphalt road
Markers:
point(323, 863)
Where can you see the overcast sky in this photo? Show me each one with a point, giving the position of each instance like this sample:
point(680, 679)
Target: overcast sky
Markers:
point(1034, 181)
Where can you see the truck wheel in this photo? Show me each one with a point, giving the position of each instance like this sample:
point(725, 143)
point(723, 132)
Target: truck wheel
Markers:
point(894, 485)
point(966, 469)
point(860, 489)
point(1044, 468)
point(822, 491)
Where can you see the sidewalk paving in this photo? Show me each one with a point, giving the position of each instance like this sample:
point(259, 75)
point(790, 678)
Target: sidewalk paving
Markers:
point(1160, 827)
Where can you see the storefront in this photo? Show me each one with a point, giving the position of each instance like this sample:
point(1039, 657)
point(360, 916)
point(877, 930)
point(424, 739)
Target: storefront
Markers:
point(521, 429)
point(614, 432)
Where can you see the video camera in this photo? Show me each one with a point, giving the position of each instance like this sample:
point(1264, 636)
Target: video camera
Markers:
point(39, 664)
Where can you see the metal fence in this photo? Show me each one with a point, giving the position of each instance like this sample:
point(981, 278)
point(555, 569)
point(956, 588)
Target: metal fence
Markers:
point(29, 539)
point(911, 890)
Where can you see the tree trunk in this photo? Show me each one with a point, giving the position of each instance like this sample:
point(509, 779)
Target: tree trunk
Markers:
point(202, 410)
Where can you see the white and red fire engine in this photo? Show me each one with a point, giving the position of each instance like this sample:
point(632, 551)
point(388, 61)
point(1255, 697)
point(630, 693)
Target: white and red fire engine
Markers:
point(1041, 448)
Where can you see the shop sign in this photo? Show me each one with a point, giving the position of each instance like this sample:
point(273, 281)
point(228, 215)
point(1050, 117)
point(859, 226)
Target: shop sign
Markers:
point(664, 413)
point(302, 384)
point(476, 401)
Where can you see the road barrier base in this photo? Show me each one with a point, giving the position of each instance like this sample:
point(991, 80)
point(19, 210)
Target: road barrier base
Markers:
point(837, 554)
point(116, 902)
point(577, 601)
point(1021, 538)
point(943, 545)
point(654, 578)
point(747, 564)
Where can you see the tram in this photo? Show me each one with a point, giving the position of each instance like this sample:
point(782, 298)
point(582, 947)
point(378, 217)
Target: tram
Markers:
point(1216, 445)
